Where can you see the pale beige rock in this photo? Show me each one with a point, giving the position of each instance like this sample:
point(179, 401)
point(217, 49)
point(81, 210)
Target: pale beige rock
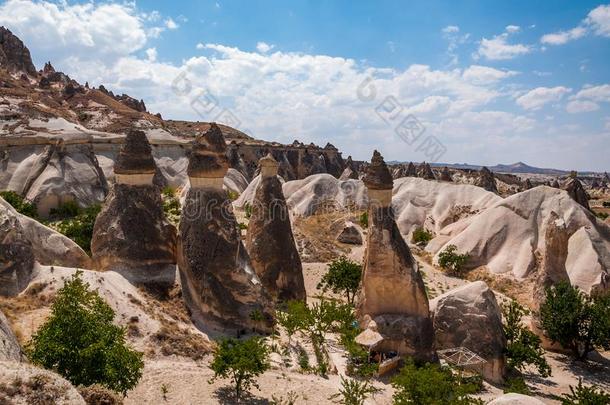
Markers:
point(469, 316)
point(9, 347)
point(515, 399)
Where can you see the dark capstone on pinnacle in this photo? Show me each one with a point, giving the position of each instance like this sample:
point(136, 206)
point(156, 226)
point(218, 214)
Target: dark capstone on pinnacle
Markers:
point(208, 156)
point(377, 175)
point(135, 156)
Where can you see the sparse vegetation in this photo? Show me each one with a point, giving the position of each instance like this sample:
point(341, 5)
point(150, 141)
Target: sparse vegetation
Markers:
point(233, 195)
point(523, 346)
point(582, 395)
point(601, 215)
point(343, 277)
point(364, 219)
point(431, 384)
point(421, 237)
point(171, 205)
point(248, 210)
point(38, 389)
point(353, 392)
point(20, 204)
point(80, 341)
point(575, 320)
point(517, 385)
point(99, 395)
point(241, 361)
point(452, 262)
point(75, 223)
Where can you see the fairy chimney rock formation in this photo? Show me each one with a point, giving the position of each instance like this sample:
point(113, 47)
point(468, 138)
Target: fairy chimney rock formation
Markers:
point(131, 234)
point(425, 171)
point(487, 180)
point(576, 190)
point(350, 171)
point(445, 175)
point(393, 295)
point(219, 283)
point(270, 242)
point(411, 171)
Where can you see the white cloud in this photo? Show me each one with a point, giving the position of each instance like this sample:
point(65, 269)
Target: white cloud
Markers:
point(498, 48)
point(599, 20)
point(541, 74)
point(595, 93)
point(538, 97)
point(596, 22)
point(486, 75)
point(578, 106)
point(151, 53)
point(200, 46)
point(171, 24)
point(562, 37)
point(511, 29)
point(450, 29)
point(264, 47)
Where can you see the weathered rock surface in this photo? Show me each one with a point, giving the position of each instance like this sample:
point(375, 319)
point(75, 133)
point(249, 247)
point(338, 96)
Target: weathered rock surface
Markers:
point(219, 284)
point(411, 171)
point(446, 175)
point(9, 347)
point(515, 399)
point(576, 190)
point(393, 296)
point(350, 235)
point(16, 253)
point(49, 247)
point(487, 180)
point(424, 171)
point(469, 316)
point(131, 234)
point(270, 242)
point(31, 383)
point(350, 171)
point(14, 55)
point(506, 236)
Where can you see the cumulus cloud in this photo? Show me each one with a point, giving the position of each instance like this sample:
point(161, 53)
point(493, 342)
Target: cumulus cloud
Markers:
point(452, 34)
point(171, 24)
point(538, 97)
point(596, 93)
point(264, 47)
point(597, 22)
point(579, 106)
point(511, 29)
point(486, 75)
point(498, 48)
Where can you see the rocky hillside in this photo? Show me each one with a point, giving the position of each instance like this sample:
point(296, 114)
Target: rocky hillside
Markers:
point(59, 139)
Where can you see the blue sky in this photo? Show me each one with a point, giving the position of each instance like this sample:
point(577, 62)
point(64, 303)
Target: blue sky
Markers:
point(490, 82)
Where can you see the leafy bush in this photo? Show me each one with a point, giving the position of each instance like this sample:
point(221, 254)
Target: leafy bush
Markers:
point(576, 321)
point(68, 209)
point(80, 342)
point(98, 394)
point(364, 219)
point(601, 215)
point(431, 384)
point(452, 262)
point(233, 195)
point(582, 395)
point(353, 392)
point(248, 210)
point(343, 277)
point(421, 236)
point(80, 227)
point(20, 204)
point(171, 205)
point(241, 361)
point(523, 347)
point(517, 385)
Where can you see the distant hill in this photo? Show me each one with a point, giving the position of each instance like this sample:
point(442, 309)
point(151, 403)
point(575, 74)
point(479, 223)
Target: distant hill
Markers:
point(514, 168)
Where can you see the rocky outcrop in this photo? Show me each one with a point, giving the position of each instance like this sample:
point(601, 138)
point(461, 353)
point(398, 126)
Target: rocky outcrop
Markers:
point(350, 171)
point(527, 184)
point(9, 347)
point(393, 299)
point(33, 385)
point(131, 234)
point(270, 242)
point(14, 55)
point(424, 171)
point(16, 253)
point(576, 190)
point(219, 284)
point(555, 184)
point(469, 316)
point(486, 180)
point(350, 235)
point(446, 175)
point(411, 171)
point(515, 399)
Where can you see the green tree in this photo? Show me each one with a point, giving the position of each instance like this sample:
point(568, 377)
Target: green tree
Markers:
point(343, 277)
point(241, 361)
point(431, 385)
point(20, 204)
point(364, 219)
point(80, 227)
point(523, 346)
point(581, 395)
point(575, 320)
point(80, 342)
point(353, 392)
point(421, 236)
point(451, 261)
